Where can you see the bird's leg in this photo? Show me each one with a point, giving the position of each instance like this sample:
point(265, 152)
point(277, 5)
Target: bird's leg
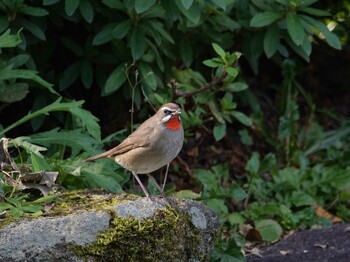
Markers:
point(141, 185)
point(166, 176)
point(157, 186)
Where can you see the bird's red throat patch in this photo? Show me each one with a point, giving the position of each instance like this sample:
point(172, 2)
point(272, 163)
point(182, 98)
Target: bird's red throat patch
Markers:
point(174, 123)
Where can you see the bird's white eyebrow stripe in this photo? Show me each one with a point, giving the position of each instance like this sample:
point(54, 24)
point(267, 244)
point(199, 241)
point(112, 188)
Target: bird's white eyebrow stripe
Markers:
point(167, 108)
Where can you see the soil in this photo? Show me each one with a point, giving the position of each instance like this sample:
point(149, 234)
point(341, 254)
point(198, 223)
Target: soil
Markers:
point(322, 245)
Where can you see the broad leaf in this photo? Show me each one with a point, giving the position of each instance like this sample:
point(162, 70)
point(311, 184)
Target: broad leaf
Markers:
point(219, 50)
point(70, 6)
point(219, 131)
point(143, 6)
point(269, 229)
point(265, 18)
point(148, 77)
point(271, 40)
point(137, 43)
point(295, 29)
point(121, 29)
point(115, 80)
point(241, 118)
point(86, 10)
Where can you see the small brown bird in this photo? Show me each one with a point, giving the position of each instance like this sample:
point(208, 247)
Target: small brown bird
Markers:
point(155, 143)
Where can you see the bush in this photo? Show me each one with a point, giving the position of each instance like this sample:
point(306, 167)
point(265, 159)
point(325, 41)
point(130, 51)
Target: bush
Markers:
point(114, 56)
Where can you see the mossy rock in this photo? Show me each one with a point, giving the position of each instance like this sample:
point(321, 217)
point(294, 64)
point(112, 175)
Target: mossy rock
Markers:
point(96, 226)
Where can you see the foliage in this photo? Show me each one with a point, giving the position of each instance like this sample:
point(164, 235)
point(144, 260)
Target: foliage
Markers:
point(107, 55)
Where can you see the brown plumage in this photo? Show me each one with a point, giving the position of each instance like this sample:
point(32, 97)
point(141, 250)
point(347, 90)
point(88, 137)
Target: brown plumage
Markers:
point(155, 143)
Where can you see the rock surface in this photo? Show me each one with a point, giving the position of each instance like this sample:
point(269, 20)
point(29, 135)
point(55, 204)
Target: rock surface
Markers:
point(113, 228)
point(321, 245)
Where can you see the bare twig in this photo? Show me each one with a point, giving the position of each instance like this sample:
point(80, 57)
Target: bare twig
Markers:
point(203, 88)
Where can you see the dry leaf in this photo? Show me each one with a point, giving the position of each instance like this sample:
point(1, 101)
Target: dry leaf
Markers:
point(324, 213)
point(284, 252)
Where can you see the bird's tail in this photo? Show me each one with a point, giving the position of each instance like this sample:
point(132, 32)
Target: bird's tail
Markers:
point(93, 158)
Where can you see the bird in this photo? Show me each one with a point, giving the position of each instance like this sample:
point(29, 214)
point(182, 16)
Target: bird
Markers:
point(154, 144)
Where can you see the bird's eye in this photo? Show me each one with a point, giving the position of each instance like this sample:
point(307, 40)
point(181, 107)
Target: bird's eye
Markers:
point(167, 112)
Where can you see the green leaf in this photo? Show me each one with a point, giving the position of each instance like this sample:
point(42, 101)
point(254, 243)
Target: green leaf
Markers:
point(50, 2)
point(187, 3)
point(114, 4)
point(186, 52)
point(4, 23)
point(104, 36)
point(330, 37)
point(217, 205)
point(159, 28)
point(193, 13)
point(219, 131)
point(22, 141)
point(38, 162)
point(220, 3)
point(271, 40)
point(297, 49)
point(121, 29)
point(115, 80)
point(253, 164)
point(137, 43)
point(332, 40)
point(295, 29)
point(4, 206)
point(306, 46)
point(207, 179)
point(237, 87)
point(232, 71)
point(70, 6)
point(315, 12)
point(269, 229)
point(96, 176)
point(69, 76)
point(34, 29)
point(7, 40)
point(87, 120)
point(185, 193)
point(301, 199)
point(143, 6)
point(214, 110)
point(86, 74)
point(33, 11)
point(245, 137)
point(241, 118)
point(13, 92)
point(18, 61)
point(86, 10)
point(25, 74)
point(236, 192)
point(211, 63)
point(31, 208)
point(219, 50)
point(77, 139)
point(265, 18)
point(15, 212)
point(147, 76)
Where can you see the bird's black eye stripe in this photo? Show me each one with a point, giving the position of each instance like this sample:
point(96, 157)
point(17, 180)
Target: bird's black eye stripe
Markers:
point(167, 111)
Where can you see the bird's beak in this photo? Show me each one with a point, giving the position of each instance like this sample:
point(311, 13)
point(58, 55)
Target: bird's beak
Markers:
point(178, 112)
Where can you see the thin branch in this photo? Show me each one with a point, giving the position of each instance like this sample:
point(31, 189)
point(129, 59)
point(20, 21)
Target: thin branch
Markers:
point(203, 88)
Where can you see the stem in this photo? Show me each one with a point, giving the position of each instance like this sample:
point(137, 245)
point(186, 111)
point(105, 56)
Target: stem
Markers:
point(203, 88)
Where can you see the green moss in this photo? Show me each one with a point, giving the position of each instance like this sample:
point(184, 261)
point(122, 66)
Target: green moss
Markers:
point(168, 236)
point(73, 201)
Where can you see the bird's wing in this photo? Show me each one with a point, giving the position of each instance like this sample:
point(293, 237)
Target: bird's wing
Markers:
point(139, 138)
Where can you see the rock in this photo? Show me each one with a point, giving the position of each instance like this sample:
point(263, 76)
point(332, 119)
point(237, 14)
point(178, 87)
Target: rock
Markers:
point(325, 244)
point(102, 227)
